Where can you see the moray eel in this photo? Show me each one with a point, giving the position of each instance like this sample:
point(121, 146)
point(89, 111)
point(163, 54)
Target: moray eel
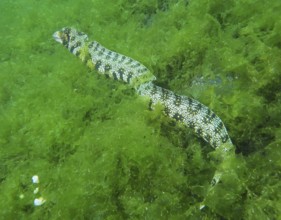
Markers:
point(184, 110)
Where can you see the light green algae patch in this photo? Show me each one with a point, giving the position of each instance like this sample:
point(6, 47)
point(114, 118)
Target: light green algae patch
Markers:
point(97, 149)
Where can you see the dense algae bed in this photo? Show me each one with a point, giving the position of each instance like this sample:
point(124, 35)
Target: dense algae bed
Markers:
point(97, 150)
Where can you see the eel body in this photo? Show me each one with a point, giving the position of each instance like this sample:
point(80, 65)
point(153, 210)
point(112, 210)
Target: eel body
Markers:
point(184, 110)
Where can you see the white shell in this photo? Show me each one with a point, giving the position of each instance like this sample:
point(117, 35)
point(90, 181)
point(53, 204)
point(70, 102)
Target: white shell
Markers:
point(35, 179)
point(39, 201)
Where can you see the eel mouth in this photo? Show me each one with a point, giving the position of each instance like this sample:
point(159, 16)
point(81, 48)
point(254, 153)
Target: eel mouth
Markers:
point(57, 37)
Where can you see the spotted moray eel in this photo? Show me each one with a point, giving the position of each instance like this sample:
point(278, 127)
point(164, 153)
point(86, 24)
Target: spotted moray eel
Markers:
point(184, 110)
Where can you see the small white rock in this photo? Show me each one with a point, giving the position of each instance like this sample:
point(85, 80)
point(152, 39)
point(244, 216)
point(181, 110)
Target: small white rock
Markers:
point(39, 201)
point(35, 179)
point(36, 190)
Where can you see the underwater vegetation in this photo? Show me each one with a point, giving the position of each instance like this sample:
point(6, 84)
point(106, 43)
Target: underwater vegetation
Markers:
point(97, 151)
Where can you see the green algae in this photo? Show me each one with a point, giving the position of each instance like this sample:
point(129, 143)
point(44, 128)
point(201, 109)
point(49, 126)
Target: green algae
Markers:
point(97, 150)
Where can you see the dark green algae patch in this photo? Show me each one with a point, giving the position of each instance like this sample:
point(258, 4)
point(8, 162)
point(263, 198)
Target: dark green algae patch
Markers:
point(98, 151)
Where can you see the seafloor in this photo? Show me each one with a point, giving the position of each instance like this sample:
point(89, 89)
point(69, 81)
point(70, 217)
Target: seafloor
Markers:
point(98, 151)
